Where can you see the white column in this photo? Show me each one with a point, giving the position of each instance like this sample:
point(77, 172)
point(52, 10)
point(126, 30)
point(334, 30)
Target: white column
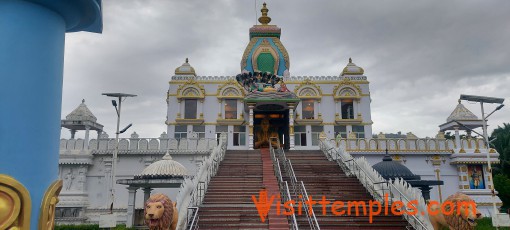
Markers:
point(220, 112)
point(201, 108)
point(457, 138)
point(146, 194)
point(179, 109)
point(319, 113)
point(131, 206)
point(250, 141)
point(291, 127)
point(87, 129)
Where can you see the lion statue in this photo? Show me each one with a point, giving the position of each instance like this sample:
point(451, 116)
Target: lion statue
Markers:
point(462, 217)
point(160, 213)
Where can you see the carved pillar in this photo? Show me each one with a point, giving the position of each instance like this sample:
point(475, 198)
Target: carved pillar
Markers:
point(178, 109)
point(436, 163)
point(457, 138)
point(200, 108)
point(291, 126)
point(131, 206)
point(250, 139)
point(357, 110)
point(146, 194)
point(319, 113)
point(219, 109)
point(87, 129)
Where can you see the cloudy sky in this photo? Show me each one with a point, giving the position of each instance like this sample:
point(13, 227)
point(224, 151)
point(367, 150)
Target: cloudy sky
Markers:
point(419, 56)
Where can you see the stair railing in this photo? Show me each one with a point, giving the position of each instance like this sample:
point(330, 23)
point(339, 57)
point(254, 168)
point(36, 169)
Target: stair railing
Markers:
point(284, 187)
point(193, 189)
point(298, 188)
point(192, 218)
point(378, 187)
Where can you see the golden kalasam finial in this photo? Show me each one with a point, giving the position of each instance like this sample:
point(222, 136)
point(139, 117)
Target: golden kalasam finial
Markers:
point(186, 60)
point(350, 60)
point(264, 19)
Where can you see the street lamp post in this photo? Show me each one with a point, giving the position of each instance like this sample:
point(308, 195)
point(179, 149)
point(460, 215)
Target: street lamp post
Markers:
point(482, 100)
point(119, 97)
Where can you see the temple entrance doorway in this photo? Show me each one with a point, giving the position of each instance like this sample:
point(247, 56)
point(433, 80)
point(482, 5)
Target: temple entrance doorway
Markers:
point(270, 124)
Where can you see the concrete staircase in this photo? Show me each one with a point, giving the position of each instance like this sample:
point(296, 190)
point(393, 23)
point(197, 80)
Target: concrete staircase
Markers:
point(325, 178)
point(228, 203)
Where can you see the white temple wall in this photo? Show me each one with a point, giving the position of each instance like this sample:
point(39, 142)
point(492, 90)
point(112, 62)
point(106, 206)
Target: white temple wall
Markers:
point(418, 165)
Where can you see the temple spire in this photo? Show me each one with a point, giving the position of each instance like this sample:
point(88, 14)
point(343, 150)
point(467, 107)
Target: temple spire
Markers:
point(264, 19)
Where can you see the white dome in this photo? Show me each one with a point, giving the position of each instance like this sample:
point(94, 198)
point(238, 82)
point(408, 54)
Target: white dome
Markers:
point(82, 113)
point(461, 113)
point(165, 167)
point(185, 69)
point(352, 69)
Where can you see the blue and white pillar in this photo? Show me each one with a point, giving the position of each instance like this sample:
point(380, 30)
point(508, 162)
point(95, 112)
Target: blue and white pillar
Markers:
point(31, 68)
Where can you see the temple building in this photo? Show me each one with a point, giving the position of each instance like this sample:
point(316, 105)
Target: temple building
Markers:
point(259, 103)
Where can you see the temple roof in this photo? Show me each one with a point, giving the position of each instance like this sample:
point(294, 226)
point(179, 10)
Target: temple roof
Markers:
point(81, 113)
point(461, 113)
point(390, 169)
point(164, 168)
point(185, 69)
point(265, 52)
point(352, 69)
point(81, 118)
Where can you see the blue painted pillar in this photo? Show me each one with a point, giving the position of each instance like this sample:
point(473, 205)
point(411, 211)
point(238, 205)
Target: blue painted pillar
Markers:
point(32, 38)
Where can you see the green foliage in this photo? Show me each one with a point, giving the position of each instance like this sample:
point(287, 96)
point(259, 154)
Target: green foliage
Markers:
point(502, 145)
point(87, 227)
point(502, 185)
point(486, 224)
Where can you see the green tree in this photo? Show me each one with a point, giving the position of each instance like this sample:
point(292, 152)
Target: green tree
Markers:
point(502, 145)
point(502, 185)
point(501, 142)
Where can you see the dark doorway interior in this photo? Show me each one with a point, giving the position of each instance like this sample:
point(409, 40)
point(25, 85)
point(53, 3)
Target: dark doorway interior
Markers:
point(278, 123)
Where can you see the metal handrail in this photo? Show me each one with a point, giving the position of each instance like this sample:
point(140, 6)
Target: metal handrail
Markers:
point(197, 193)
point(284, 187)
point(361, 174)
point(300, 191)
point(193, 222)
point(298, 188)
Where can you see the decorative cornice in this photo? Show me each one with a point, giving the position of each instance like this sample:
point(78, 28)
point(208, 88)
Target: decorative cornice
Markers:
point(308, 84)
point(237, 93)
point(184, 92)
point(282, 49)
point(346, 83)
point(230, 122)
point(247, 51)
point(308, 121)
point(183, 121)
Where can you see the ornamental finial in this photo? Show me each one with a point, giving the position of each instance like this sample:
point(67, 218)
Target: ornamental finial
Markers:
point(82, 100)
point(264, 19)
point(350, 60)
point(459, 101)
point(186, 60)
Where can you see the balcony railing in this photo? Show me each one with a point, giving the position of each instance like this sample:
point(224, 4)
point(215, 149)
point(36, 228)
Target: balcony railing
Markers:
point(378, 187)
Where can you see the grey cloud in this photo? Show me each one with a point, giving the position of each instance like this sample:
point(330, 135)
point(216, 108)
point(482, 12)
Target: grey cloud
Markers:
point(418, 56)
